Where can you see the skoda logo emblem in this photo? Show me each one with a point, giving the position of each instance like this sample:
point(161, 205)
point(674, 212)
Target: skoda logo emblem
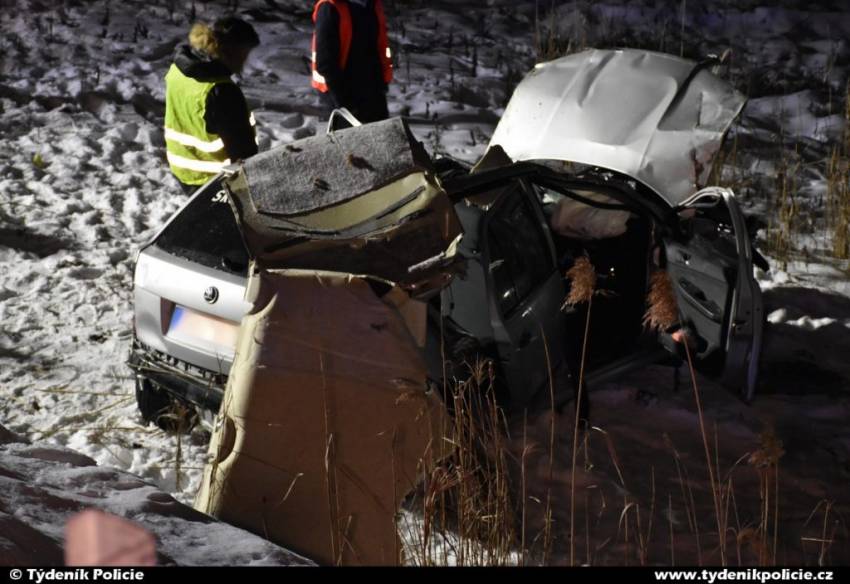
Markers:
point(211, 294)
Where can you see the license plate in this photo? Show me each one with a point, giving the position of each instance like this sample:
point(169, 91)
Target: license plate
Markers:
point(196, 328)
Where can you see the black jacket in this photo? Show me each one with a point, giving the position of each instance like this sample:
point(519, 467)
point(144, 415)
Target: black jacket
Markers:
point(226, 110)
point(362, 79)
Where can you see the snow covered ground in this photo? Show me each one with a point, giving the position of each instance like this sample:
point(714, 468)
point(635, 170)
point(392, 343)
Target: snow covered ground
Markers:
point(83, 183)
point(43, 486)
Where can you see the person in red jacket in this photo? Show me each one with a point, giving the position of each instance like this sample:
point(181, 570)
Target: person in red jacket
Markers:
point(352, 64)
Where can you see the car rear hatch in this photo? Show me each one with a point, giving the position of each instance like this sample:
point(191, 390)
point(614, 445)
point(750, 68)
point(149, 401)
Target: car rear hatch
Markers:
point(190, 285)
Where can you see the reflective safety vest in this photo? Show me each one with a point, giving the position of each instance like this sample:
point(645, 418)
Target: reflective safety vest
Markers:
point(345, 32)
point(194, 154)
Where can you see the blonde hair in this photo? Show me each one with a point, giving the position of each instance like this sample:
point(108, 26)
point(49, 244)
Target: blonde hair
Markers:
point(202, 38)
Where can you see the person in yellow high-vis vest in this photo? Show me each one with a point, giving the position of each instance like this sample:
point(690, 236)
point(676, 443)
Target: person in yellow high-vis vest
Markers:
point(207, 121)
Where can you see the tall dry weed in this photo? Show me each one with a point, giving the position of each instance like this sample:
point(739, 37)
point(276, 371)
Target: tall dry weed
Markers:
point(582, 276)
point(663, 313)
point(766, 462)
point(838, 190)
point(469, 515)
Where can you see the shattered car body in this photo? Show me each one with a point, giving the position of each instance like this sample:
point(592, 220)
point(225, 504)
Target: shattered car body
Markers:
point(324, 294)
point(573, 144)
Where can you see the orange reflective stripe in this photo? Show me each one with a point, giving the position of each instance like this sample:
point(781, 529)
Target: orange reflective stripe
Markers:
point(318, 81)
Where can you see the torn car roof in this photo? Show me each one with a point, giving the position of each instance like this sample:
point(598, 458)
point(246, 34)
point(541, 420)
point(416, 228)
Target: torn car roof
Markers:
point(317, 172)
point(362, 200)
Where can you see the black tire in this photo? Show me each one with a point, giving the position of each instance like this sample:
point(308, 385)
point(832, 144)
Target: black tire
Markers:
point(164, 410)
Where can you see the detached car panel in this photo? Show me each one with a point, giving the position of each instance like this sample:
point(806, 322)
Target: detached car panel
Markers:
point(326, 420)
point(362, 200)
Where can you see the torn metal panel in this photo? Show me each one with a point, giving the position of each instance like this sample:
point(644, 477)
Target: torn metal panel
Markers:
point(326, 419)
point(657, 118)
point(313, 173)
point(361, 201)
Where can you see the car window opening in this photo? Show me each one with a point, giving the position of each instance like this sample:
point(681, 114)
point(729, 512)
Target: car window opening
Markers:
point(618, 242)
point(206, 232)
point(520, 259)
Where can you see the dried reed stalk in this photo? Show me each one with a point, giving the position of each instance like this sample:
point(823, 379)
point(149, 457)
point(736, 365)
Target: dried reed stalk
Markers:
point(662, 314)
point(583, 286)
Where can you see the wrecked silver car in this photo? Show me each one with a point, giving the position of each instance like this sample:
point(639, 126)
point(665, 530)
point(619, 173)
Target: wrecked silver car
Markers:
point(601, 154)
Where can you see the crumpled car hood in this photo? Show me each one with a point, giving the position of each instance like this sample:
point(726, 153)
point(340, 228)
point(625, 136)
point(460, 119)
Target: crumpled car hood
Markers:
point(655, 117)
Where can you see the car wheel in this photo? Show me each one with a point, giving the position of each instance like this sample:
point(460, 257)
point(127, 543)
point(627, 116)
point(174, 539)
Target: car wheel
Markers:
point(165, 411)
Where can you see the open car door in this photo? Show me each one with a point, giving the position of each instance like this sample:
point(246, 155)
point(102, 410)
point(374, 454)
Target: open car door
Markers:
point(525, 292)
point(718, 297)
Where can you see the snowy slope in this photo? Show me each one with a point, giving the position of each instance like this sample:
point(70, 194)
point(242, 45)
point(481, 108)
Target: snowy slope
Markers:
point(83, 183)
point(44, 486)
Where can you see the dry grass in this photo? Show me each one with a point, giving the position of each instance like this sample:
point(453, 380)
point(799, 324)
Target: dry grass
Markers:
point(838, 204)
point(472, 509)
point(827, 529)
point(838, 190)
point(792, 220)
point(549, 42)
point(766, 462)
point(789, 219)
point(662, 312)
point(177, 420)
point(466, 502)
point(715, 491)
point(784, 227)
point(582, 278)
